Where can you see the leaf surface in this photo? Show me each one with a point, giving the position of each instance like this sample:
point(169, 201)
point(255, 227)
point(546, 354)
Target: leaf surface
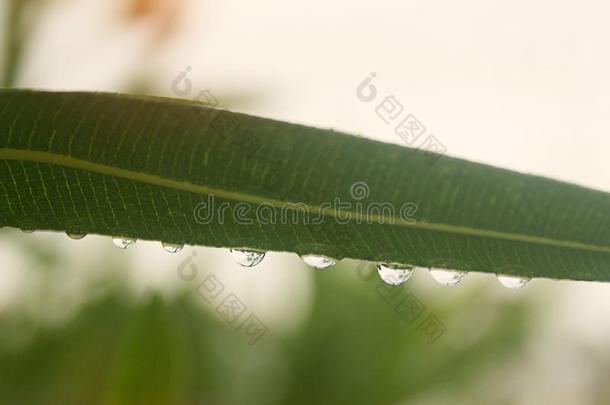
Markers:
point(179, 172)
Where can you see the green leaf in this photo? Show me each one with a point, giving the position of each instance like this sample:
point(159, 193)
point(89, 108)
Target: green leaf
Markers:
point(180, 172)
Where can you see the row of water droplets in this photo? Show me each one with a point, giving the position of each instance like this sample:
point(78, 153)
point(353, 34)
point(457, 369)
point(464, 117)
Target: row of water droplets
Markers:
point(391, 273)
point(124, 242)
point(397, 274)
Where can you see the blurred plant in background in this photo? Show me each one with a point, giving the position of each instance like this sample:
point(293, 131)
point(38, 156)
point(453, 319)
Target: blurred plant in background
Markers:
point(19, 15)
point(94, 342)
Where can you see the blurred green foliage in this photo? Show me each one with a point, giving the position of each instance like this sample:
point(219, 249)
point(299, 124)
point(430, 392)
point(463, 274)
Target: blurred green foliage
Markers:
point(18, 17)
point(352, 348)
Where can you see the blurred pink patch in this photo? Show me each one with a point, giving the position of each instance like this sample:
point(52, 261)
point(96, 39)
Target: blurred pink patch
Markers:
point(164, 14)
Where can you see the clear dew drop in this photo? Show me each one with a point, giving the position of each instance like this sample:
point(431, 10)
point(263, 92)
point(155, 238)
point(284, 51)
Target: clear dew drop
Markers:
point(394, 274)
point(75, 236)
point(172, 247)
point(514, 283)
point(247, 258)
point(447, 277)
point(123, 243)
point(28, 230)
point(318, 262)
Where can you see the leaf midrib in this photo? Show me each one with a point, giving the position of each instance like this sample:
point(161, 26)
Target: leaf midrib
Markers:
point(80, 164)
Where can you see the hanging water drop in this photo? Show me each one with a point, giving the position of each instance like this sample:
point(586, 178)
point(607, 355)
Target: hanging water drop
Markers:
point(28, 230)
point(447, 277)
point(75, 236)
point(172, 247)
point(514, 283)
point(394, 274)
point(247, 258)
point(123, 243)
point(318, 262)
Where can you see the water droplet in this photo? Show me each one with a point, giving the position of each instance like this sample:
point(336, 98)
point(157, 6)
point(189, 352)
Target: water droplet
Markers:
point(28, 230)
point(123, 243)
point(76, 236)
point(394, 274)
point(172, 247)
point(247, 258)
point(447, 277)
point(318, 262)
point(514, 283)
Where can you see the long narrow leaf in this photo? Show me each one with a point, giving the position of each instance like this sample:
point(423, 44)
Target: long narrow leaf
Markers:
point(169, 170)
